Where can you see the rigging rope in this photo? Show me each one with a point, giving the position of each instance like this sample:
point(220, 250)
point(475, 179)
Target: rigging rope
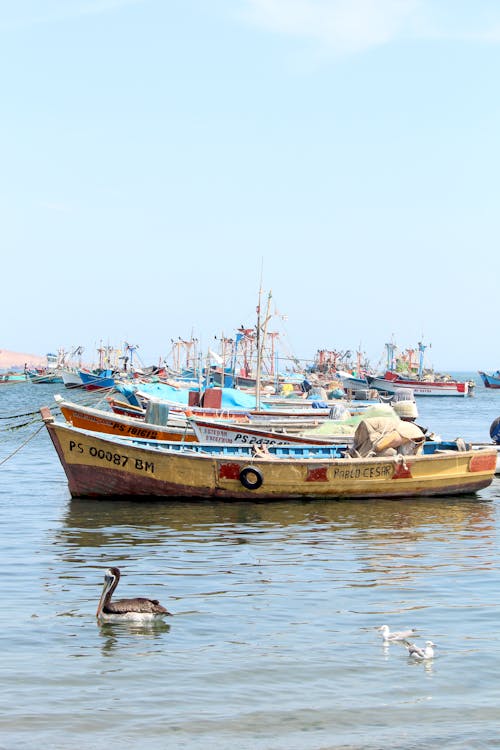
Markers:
point(23, 444)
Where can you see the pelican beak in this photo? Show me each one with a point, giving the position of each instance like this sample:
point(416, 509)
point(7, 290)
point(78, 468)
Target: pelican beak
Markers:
point(108, 580)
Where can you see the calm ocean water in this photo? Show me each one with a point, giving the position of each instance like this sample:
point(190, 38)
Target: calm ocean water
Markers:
point(273, 644)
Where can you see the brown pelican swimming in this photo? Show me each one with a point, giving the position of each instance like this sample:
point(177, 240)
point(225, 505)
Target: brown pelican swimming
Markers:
point(138, 609)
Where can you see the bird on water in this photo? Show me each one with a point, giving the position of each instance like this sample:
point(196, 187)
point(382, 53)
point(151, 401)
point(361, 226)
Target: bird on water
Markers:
point(138, 609)
point(421, 653)
point(396, 635)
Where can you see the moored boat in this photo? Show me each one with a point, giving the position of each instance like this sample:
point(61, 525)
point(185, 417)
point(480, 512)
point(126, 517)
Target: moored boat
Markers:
point(160, 422)
point(71, 378)
point(490, 380)
point(403, 372)
point(98, 420)
point(44, 376)
point(9, 378)
point(225, 432)
point(392, 381)
point(96, 381)
point(103, 466)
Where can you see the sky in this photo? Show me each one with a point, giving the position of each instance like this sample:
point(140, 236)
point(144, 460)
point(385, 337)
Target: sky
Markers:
point(163, 160)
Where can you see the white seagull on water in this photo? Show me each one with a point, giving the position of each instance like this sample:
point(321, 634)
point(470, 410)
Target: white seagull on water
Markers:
point(421, 653)
point(397, 635)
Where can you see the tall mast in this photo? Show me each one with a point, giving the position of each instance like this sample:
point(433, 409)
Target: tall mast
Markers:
point(257, 381)
point(421, 348)
point(260, 345)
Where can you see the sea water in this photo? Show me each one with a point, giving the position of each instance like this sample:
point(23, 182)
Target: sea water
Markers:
point(273, 643)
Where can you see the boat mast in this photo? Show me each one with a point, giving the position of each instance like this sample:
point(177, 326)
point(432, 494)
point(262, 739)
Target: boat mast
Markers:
point(260, 344)
point(421, 348)
point(391, 348)
point(223, 361)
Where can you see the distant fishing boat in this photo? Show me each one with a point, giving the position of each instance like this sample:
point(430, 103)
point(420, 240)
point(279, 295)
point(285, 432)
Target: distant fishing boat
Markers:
point(414, 378)
point(392, 381)
point(71, 378)
point(490, 380)
point(43, 377)
point(9, 378)
point(98, 380)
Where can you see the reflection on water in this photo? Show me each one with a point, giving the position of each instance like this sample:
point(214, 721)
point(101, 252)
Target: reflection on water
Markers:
point(273, 643)
point(114, 634)
point(155, 517)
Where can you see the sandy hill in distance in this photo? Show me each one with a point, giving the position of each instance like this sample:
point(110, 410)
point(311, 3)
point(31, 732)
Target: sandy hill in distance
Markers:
point(18, 359)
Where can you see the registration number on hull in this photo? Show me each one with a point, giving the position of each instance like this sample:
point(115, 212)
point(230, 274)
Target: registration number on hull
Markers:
point(111, 457)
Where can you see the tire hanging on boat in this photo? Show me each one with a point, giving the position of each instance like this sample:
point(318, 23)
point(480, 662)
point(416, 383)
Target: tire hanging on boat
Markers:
point(251, 478)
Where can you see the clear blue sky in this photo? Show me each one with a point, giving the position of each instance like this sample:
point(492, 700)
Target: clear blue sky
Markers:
point(157, 154)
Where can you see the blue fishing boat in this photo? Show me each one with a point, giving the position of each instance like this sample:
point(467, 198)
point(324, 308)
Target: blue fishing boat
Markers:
point(43, 376)
point(490, 380)
point(97, 380)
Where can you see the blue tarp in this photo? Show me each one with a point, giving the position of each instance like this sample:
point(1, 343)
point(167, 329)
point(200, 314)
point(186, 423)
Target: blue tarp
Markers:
point(231, 397)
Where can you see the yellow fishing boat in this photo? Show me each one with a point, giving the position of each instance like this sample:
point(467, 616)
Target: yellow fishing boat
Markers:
point(103, 466)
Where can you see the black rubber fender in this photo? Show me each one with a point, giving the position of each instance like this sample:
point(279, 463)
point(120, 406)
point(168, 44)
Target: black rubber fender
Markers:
point(495, 430)
point(251, 478)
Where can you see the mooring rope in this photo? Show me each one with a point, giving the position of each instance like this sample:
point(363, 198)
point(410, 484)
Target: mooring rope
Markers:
point(23, 444)
point(18, 426)
point(16, 416)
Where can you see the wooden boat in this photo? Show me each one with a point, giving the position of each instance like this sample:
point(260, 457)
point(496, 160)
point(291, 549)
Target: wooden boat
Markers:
point(123, 407)
point(9, 378)
point(351, 382)
point(98, 420)
point(71, 378)
point(308, 417)
point(340, 428)
point(402, 372)
point(176, 428)
point(103, 466)
point(490, 380)
point(224, 432)
point(96, 381)
point(391, 381)
point(44, 377)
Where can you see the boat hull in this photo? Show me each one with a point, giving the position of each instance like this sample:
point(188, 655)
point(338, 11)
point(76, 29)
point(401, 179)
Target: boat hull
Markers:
point(490, 381)
point(224, 432)
point(97, 420)
point(104, 467)
point(71, 379)
point(11, 378)
point(94, 382)
point(420, 387)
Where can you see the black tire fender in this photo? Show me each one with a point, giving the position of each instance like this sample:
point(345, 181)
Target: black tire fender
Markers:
point(495, 430)
point(251, 478)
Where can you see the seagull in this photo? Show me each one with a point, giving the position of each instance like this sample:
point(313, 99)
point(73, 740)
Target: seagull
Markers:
point(397, 635)
point(139, 609)
point(421, 653)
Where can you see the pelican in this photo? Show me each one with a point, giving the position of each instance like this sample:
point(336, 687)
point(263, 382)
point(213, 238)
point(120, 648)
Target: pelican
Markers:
point(138, 609)
point(421, 653)
point(397, 635)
